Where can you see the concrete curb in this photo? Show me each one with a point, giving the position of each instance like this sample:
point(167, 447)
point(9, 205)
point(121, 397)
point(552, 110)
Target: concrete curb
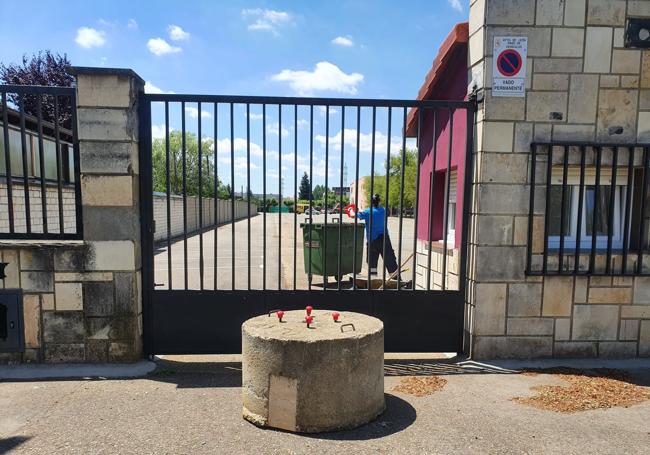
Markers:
point(614, 364)
point(76, 370)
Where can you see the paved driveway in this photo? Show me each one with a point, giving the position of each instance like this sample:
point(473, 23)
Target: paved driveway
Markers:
point(279, 262)
point(196, 409)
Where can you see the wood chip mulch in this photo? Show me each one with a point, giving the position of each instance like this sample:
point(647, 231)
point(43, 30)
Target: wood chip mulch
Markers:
point(420, 386)
point(585, 390)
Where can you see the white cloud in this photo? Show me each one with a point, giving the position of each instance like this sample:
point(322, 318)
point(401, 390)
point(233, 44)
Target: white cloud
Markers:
point(132, 24)
point(254, 116)
point(273, 128)
point(365, 141)
point(89, 37)
point(325, 77)
point(455, 4)
point(288, 157)
point(267, 19)
point(176, 33)
point(302, 123)
point(158, 131)
point(239, 146)
point(240, 163)
point(107, 23)
point(194, 112)
point(345, 41)
point(159, 46)
point(152, 89)
point(323, 110)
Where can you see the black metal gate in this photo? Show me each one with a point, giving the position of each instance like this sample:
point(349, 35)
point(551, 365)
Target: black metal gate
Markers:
point(195, 150)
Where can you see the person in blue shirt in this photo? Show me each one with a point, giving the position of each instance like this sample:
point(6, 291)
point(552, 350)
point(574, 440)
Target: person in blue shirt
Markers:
point(375, 236)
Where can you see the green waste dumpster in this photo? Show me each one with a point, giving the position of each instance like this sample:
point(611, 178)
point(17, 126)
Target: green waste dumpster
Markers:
point(324, 247)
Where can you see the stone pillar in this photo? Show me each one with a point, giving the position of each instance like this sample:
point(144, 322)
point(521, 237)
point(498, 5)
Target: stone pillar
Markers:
point(108, 143)
point(584, 85)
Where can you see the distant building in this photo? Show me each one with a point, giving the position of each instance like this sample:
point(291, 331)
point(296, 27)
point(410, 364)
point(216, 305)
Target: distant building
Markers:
point(360, 191)
point(338, 190)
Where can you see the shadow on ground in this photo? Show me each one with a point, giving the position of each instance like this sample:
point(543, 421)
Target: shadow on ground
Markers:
point(398, 416)
point(7, 444)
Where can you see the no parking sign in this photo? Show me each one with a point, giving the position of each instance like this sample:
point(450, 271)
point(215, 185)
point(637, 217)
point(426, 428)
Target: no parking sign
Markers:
point(509, 67)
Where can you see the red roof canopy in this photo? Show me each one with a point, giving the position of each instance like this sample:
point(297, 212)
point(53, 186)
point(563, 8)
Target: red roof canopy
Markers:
point(456, 40)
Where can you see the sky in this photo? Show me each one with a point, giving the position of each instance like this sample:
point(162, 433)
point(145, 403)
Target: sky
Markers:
point(347, 48)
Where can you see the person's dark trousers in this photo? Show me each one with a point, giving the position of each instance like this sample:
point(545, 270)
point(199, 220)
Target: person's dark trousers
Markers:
point(375, 249)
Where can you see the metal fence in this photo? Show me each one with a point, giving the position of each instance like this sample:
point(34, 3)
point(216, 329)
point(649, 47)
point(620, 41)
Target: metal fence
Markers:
point(343, 130)
point(40, 196)
point(588, 209)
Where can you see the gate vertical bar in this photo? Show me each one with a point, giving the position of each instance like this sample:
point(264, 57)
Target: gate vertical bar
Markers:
point(610, 220)
point(387, 170)
point(10, 184)
point(215, 165)
point(59, 170)
point(628, 206)
point(264, 197)
point(232, 196)
point(432, 200)
point(549, 166)
point(417, 198)
point(356, 201)
point(41, 154)
point(401, 202)
point(168, 201)
point(295, 190)
point(445, 222)
point(642, 224)
point(594, 230)
point(338, 270)
point(327, 156)
point(565, 168)
point(372, 193)
point(200, 164)
point(280, 196)
point(581, 195)
point(311, 184)
point(184, 174)
point(23, 142)
point(248, 191)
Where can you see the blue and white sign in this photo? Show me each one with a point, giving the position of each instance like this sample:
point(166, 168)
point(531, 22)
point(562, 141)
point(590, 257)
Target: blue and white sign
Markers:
point(509, 66)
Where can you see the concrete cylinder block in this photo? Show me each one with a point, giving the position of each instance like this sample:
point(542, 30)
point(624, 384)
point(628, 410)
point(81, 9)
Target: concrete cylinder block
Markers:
point(323, 378)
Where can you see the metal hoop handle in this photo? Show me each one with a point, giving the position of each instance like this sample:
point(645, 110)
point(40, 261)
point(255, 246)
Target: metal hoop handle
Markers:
point(349, 324)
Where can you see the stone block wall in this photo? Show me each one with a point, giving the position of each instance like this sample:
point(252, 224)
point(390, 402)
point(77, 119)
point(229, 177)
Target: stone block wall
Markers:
point(82, 299)
point(431, 278)
point(577, 67)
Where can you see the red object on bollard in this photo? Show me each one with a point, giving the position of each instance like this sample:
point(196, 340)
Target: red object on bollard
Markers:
point(280, 314)
point(309, 309)
point(309, 320)
point(335, 316)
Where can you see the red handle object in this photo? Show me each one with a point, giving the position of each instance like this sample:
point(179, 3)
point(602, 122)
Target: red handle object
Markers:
point(335, 316)
point(280, 314)
point(309, 309)
point(351, 210)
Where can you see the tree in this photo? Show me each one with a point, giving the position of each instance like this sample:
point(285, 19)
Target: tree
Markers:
point(159, 160)
point(305, 187)
point(47, 69)
point(318, 192)
point(395, 181)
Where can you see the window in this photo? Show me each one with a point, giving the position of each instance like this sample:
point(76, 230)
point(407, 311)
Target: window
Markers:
point(34, 158)
point(451, 218)
point(590, 206)
point(589, 212)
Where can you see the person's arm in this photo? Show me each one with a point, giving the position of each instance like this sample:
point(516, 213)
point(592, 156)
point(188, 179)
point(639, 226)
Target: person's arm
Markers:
point(363, 215)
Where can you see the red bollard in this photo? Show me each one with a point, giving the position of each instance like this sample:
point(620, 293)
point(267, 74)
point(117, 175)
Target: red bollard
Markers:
point(335, 316)
point(309, 320)
point(280, 314)
point(309, 309)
